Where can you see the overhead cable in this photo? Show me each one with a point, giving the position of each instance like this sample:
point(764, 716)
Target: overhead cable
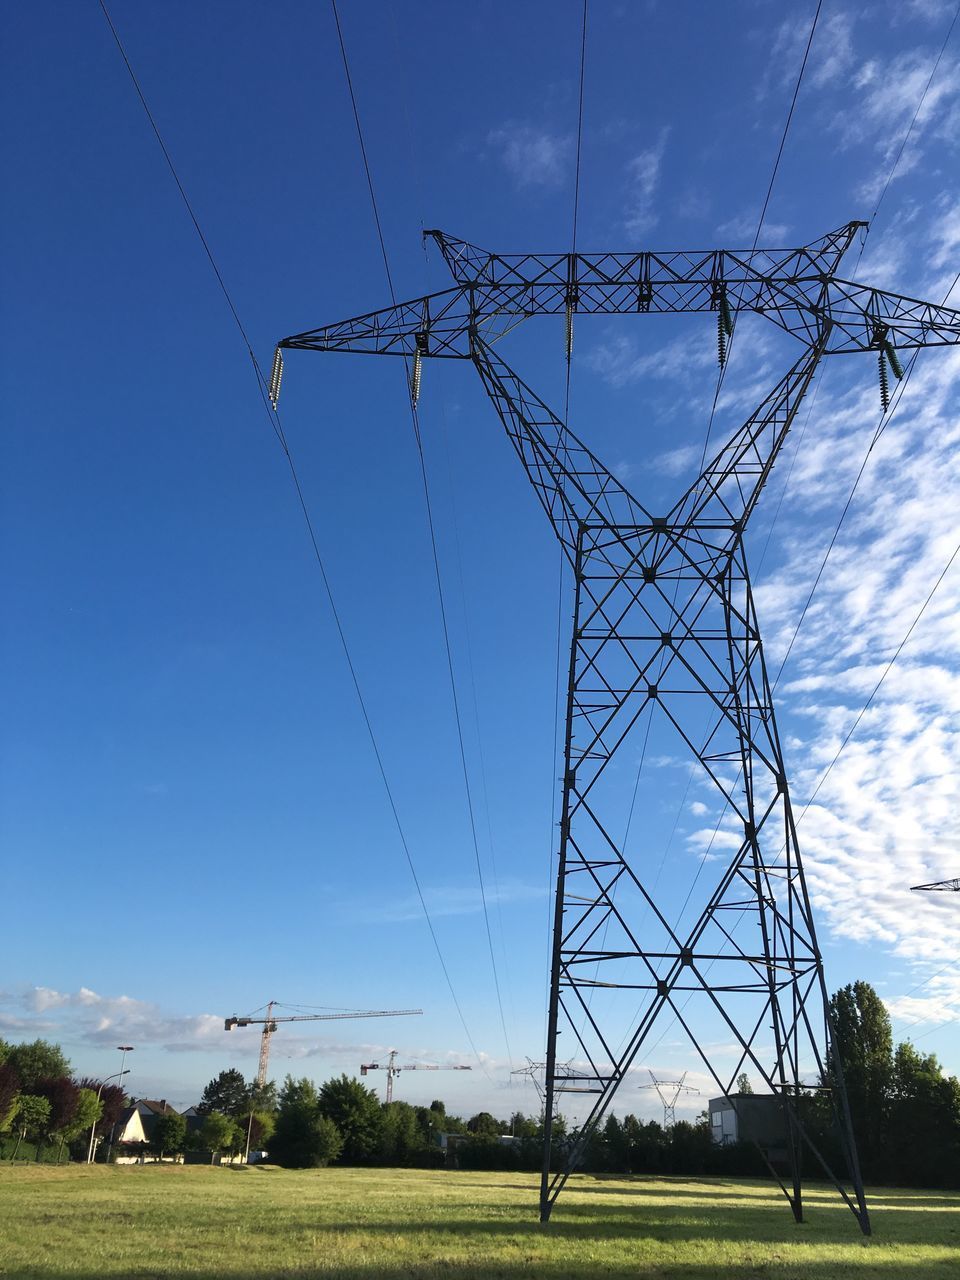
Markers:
point(433, 539)
point(273, 417)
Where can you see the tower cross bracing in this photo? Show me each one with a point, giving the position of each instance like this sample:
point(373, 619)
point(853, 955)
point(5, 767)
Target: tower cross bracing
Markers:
point(665, 625)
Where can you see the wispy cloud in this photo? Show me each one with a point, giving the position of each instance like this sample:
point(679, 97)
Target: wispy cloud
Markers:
point(643, 179)
point(620, 360)
point(449, 900)
point(886, 818)
point(888, 93)
point(533, 156)
point(743, 227)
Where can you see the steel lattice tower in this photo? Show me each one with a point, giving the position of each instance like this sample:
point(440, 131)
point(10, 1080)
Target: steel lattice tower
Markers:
point(665, 624)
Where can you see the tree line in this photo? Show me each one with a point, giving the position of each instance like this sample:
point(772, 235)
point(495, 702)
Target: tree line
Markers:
point(904, 1108)
point(43, 1105)
point(905, 1112)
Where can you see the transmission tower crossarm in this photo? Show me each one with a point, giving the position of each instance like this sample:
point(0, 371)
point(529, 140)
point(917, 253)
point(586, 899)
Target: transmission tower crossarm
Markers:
point(436, 325)
point(795, 289)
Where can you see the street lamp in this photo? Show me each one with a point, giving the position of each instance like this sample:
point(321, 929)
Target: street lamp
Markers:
point(124, 1050)
point(93, 1127)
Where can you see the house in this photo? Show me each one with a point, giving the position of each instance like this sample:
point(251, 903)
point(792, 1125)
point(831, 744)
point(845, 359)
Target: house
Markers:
point(148, 1109)
point(129, 1127)
point(750, 1117)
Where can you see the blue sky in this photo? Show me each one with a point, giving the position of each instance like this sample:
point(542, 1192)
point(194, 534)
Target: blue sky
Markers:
point(192, 816)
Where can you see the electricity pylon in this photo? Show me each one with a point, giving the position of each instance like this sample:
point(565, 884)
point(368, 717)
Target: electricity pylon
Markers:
point(668, 1091)
point(665, 623)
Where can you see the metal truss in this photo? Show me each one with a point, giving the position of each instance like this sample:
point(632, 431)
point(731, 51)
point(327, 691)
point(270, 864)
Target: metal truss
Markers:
point(941, 886)
point(665, 625)
point(668, 1091)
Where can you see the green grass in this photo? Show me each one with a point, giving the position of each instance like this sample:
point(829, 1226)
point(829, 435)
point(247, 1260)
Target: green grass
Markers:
point(356, 1224)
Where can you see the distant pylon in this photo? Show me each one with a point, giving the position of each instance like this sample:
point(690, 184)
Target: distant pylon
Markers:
point(669, 1092)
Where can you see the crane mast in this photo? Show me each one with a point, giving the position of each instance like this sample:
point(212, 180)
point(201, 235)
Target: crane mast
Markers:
point(269, 1024)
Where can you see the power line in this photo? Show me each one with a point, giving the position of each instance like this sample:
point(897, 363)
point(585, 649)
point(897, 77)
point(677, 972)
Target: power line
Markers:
point(863, 243)
point(823, 779)
point(876, 687)
point(277, 428)
point(885, 419)
point(763, 214)
point(916, 114)
point(433, 541)
point(562, 557)
point(786, 127)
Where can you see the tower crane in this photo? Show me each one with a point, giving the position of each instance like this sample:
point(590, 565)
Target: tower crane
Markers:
point(943, 886)
point(392, 1070)
point(269, 1024)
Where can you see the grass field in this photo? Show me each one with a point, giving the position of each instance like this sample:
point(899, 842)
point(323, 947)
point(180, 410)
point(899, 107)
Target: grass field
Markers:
point(359, 1224)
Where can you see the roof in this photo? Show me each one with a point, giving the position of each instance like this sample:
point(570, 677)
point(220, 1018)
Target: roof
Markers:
point(156, 1108)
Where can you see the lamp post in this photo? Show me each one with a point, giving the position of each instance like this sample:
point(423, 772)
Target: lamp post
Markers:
point(124, 1050)
point(93, 1127)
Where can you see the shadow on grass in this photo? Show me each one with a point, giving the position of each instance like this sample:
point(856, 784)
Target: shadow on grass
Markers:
point(541, 1268)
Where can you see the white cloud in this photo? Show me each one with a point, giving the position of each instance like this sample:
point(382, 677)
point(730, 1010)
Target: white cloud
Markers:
point(888, 93)
point(888, 815)
point(100, 1020)
point(534, 157)
point(643, 179)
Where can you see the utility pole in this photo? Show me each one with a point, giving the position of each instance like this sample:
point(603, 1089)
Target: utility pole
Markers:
point(665, 628)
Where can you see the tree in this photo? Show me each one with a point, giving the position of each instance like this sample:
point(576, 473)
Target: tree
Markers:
point(355, 1110)
point(228, 1093)
point(169, 1133)
point(303, 1138)
point(522, 1126)
point(864, 1044)
point(31, 1120)
point(9, 1093)
point(923, 1133)
point(261, 1097)
point(743, 1083)
point(483, 1125)
point(36, 1061)
point(401, 1137)
point(113, 1099)
point(219, 1133)
point(64, 1098)
point(261, 1126)
point(88, 1112)
point(302, 1090)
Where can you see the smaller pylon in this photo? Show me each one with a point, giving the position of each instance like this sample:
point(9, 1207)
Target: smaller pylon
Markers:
point(668, 1092)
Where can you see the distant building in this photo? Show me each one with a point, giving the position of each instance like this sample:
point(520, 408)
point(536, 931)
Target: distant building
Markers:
point(750, 1117)
point(129, 1128)
point(148, 1109)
